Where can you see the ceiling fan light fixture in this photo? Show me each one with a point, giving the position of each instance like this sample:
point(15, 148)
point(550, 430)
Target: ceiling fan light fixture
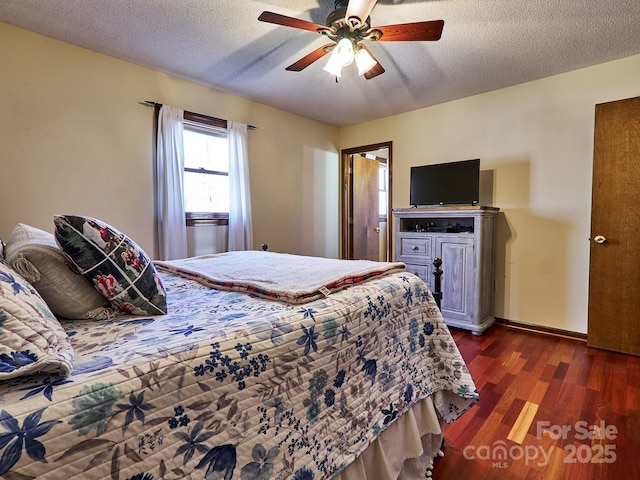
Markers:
point(333, 66)
point(341, 56)
point(343, 52)
point(364, 61)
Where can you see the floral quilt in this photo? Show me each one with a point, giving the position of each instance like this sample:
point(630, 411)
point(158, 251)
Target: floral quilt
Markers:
point(231, 386)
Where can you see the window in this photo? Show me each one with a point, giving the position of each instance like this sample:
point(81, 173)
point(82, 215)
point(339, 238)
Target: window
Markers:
point(206, 171)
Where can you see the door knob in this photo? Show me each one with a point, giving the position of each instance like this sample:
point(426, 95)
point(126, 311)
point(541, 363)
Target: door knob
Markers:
point(377, 229)
point(600, 239)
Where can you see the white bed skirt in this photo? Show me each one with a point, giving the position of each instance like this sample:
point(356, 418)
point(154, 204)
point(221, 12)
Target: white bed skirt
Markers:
point(404, 450)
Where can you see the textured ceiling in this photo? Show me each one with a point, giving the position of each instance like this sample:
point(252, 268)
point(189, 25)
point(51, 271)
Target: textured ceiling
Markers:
point(485, 45)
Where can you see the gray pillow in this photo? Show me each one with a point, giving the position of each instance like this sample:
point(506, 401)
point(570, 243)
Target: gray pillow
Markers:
point(34, 254)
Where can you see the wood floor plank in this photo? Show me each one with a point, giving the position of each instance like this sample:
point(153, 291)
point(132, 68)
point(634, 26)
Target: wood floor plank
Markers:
point(579, 371)
point(633, 372)
point(523, 384)
point(589, 408)
point(523, 423)
point(538, 392)
point(561, 371)
point(513, 412)
point(595, 374)
point(490, 399)
point(548, 372)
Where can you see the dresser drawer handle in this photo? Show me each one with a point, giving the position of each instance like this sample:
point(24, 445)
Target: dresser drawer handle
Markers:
point(415, 248)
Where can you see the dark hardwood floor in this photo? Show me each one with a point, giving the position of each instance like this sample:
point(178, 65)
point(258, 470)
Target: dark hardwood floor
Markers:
point(550, 408)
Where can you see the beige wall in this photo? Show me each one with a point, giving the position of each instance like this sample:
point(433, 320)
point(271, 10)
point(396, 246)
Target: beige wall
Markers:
point(73, 139)
point(535, 142)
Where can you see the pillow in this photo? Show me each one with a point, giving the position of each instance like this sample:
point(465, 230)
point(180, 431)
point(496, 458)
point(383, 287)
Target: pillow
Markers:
point(34, 254)
point(120, 270)
point(31, 338)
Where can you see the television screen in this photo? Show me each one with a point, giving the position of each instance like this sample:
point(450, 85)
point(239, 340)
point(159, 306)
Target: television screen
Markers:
point(453, 183)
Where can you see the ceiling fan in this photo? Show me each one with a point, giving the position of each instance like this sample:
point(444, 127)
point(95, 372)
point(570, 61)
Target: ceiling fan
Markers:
point(349, 26)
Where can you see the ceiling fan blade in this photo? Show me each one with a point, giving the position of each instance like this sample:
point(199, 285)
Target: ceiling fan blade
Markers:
point(359, 9)
point(278, 19)
point(377, 68)
point(418, 31)
point(308, 59)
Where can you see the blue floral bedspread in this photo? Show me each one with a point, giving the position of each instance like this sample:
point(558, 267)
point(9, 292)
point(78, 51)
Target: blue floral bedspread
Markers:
point(230, 386)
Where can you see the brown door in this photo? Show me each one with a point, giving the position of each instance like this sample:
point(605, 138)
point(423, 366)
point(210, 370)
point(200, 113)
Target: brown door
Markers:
point(366, 226)
point(614, 270)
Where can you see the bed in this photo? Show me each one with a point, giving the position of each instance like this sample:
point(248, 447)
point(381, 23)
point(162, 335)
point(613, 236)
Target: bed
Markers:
point(242, 372)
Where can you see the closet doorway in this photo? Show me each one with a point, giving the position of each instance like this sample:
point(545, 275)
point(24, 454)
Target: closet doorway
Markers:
point(366, 202)
point(614, 268)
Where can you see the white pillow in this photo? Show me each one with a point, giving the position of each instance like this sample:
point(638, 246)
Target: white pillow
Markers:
point(35, 255)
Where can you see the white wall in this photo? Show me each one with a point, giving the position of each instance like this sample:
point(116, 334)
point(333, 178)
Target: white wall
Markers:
point(74, 140)
point(535, 142)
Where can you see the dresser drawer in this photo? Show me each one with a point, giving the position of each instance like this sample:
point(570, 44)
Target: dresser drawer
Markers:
point(422, 271)
point(416, 246)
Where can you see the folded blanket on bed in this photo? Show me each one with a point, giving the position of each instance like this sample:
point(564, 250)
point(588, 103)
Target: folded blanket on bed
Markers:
point(278, 276)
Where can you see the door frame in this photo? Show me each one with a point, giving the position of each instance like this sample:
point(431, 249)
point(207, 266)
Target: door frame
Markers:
point(346, 182)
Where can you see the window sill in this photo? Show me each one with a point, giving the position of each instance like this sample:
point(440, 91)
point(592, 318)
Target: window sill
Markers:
point(196, 219)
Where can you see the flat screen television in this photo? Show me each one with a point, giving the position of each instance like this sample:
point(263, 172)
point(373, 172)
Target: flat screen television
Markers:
point(453, 183)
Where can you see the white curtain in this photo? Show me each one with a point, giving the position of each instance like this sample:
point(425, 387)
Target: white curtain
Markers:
point(172, 230)
point(240, 226)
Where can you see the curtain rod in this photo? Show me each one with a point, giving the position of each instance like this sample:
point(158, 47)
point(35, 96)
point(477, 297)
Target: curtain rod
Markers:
point(149, 103)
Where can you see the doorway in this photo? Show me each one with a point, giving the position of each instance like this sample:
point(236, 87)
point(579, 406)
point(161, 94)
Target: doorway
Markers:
point(614, 267)
point(366, 202)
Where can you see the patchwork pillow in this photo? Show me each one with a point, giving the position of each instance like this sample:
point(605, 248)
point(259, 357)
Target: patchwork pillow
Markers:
point(31, 338)
point(34, 254)
point(120, 270)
